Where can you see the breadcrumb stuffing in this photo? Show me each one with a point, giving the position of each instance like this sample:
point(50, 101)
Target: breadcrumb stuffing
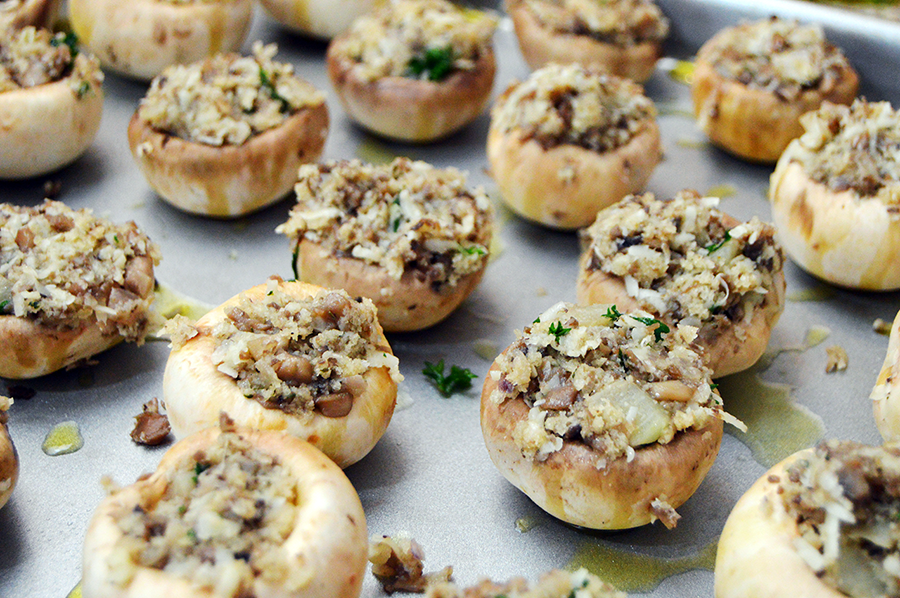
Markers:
point(777, 55)
point(220, 523)
point(65, 268)
point(845, 499)
point(681, 260)
point(298, 355)
point(398, 563)
point(31, 57)
point(621, 23)
point(854, 148)
point(404, 216)
point(575, 105)
point(227, 98)
point(386, 42)
point(609, 380)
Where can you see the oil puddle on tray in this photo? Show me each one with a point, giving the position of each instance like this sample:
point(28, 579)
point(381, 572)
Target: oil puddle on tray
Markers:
point(632, 572)
point(63, 439)
point(777, 427)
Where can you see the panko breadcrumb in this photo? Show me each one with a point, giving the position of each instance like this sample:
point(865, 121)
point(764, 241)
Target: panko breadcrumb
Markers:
point(64, 268)
point(618, 22)
point(387, 42)
point(227, 98)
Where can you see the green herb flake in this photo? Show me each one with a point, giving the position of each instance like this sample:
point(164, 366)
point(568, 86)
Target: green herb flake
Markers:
point(269, 86)
point(457, 380)
point(198, 469)
point(622, 361)
point(4, 304)
point(192, 535)
point(435, 64)
point(660, 329)
point(473, 250)
point(294, 257)
point(558, 330)
point(395, 223)
point(716, 246)
point(612, 313)
point(69, 39)
point(537, 320)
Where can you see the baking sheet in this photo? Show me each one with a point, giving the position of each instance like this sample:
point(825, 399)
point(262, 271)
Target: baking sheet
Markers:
point(430, 475)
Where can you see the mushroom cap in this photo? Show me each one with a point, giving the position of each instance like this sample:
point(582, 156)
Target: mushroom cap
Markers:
point(196, 392)
point(759, 536)
point(228, 181)
point(33, 349)
point(318, 18)
point(9, 464)
point(885, 396)
point(36, 13)
point(405, 304)
point(835, 235)
point(565, 186)
point(726, 350)
point(756, 124)
point(541, 46)
point(46, 127)
point(328, 540)
point(412, 109)
point(568, 484)
point(140, 38)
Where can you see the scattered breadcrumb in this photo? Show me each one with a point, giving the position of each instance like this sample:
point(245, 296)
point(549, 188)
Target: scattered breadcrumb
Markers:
point(881, 326)
point(837, 359)
point(397, 563)
point(663, 511)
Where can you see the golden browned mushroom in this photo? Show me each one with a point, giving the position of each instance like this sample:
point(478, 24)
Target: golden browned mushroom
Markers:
point(224, 137)
point(569, 141)
point(230, 513)
point(286, 356)
point(73, 285)
point(140, 38)
point(414, 70)
point(51, 100)
point(835, 193)
point(411, 237)
point(620, 37)
point(752, 83)
point(821, 524)
point(687, 262)
point(604, 420)
point(9, 459)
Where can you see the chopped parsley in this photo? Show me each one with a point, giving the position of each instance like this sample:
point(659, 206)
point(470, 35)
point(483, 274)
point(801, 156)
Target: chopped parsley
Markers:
point(4, 304)
point(716, 246)
point(83, 89)
point(457, 380)
point(198, 469)
point(192, 535)
point(69, 39)
point(622, 361)
point(537, 320)
point(273, 93)
point(558, 330)
point(472, 250)
point(395, 222)
point(612, 313)
point(660, 329)
point(435, 64)
point(294, 257)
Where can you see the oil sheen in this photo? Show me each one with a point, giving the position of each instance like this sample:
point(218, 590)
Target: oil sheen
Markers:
point(632, 572)
point(63, 439)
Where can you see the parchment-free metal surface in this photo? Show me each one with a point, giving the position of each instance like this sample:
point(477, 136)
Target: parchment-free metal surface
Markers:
point(430, 474)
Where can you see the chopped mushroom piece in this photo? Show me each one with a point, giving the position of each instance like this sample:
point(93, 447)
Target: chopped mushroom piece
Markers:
point(397, 563)
point(151, 427)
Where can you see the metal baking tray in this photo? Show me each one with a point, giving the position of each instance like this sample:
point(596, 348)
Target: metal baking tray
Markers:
point(430, 475)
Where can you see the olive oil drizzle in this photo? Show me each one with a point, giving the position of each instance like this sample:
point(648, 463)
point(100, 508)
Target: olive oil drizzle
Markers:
point(632, 572)
point(777, 427)
point(62, 439)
